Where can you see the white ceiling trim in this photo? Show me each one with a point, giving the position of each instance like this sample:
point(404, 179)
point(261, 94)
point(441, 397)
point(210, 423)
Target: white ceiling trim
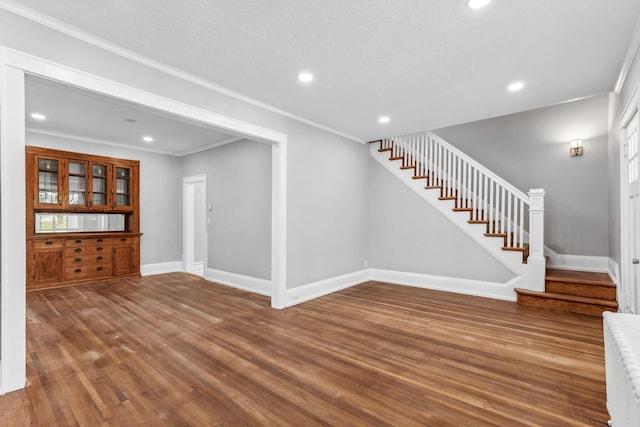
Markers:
point(634, 46)
point(96, 141)
point(76, 33)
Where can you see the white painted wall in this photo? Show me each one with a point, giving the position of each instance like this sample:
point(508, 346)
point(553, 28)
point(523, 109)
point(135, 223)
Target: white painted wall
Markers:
point(407, 234)
point(239, 189)
point(160, 193)
point(531, 150)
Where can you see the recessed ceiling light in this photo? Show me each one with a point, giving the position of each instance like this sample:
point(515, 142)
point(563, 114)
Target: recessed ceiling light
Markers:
point(147, 139)
point(38, 116)
point(515, 86)
point(305, 77)
point(477, 4)
point(384, 119)
point(130, 120)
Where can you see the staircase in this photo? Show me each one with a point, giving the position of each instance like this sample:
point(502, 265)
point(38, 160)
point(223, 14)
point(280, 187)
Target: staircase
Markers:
point(506, 222)
point(492, 212)
point(573, 292)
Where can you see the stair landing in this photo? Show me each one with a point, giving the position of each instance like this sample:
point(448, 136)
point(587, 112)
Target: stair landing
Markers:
point(573, 292)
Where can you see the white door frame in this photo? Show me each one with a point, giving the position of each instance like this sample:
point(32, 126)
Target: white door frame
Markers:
point(187, 235)
point(13, 66)
point(628, 113)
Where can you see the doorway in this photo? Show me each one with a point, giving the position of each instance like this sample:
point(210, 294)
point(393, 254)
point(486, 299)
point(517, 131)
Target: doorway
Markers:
point(195, 221)
point(631, 256)
point(13, 67)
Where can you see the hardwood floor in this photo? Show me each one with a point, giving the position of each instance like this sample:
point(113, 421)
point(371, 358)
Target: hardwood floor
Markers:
point(177, 350)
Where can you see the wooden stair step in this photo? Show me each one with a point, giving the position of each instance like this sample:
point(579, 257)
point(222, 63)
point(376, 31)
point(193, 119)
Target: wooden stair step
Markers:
point(420, 176)
point(407, 167)
point(382, 150)
point(396, 158)
point(580, 283)
point(565, 303)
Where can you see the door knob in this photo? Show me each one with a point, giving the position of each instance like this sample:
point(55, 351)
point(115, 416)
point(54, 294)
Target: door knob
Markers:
point(635, 261)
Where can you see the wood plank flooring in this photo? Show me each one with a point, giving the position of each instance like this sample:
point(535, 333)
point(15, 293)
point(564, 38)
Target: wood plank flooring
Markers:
point(177, 350)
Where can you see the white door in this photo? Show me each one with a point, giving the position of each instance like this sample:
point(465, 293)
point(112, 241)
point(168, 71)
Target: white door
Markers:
point(195, 224)
point(632, 291)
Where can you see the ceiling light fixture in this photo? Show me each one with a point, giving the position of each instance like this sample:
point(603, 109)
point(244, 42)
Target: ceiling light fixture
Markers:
point(147, 139)
point(477, 4)
point(130, 120)
point(38, 116)
point(305, 77)
point(384, 119)
point(516, 86)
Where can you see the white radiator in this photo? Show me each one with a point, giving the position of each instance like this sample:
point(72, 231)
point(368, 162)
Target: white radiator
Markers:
point(622, 362)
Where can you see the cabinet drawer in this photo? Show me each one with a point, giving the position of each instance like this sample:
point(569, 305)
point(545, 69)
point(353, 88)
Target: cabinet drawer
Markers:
point(78, 272)
point(47, 244)
point(124, 241)
point(88, 260)
point(90, 241)
point(75, 251)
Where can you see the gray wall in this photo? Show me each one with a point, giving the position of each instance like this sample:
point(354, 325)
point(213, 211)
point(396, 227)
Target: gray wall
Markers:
point(407, 234)
point(326, 176)
point(160, 182)
point(327, 215)
point(239, 188)
point(531, 150)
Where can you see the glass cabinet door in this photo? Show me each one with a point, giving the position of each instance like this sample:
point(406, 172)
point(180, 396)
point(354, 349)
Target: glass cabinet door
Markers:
point(99, 185)
point(123, 177)
point(76, 183)
point(48, 182)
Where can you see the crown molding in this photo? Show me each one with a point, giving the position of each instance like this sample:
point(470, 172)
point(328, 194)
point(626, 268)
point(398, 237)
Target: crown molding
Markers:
point(210, 146)
point(632, 51)
point(97, 141)
point(57, 25)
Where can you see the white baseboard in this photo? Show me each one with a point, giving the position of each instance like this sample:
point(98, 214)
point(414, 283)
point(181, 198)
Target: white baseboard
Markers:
point(160, 268)
point(598, 264)
point(614, 271)
point(502, 291)
point(197, 268)
point(325, 287)
point(239, 281)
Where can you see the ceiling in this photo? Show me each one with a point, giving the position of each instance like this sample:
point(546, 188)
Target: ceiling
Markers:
point(424, 63)
point(80, 114)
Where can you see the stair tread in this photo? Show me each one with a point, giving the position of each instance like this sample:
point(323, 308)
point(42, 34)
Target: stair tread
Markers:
point(566, 297)
point(582, 277)
point(516, 248)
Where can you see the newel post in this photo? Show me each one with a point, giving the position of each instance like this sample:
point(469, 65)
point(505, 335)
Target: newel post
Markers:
point(536, 261)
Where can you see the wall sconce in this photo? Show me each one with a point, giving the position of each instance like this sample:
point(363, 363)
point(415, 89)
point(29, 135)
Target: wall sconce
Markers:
point(576, 148)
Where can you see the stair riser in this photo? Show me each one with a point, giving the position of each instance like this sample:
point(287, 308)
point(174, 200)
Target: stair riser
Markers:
point(581, 290)
point(563, 306)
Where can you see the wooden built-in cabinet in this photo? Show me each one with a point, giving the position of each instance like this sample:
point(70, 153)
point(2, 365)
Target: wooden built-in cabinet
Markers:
point(60, 182)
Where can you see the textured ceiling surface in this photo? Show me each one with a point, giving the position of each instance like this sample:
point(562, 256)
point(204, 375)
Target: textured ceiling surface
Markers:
point(424, 63)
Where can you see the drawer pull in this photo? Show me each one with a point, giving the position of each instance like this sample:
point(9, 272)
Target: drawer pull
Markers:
point(99, 240)
point(123, 239)
point(78, 250)
point(78, 241)
point(99, 268)
point(100, 248)
point(99, 258)
point(77, 260)
point(48, 242)
point(78, 270)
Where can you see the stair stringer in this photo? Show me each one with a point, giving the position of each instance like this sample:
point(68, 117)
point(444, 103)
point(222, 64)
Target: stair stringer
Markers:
point(512, 260)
